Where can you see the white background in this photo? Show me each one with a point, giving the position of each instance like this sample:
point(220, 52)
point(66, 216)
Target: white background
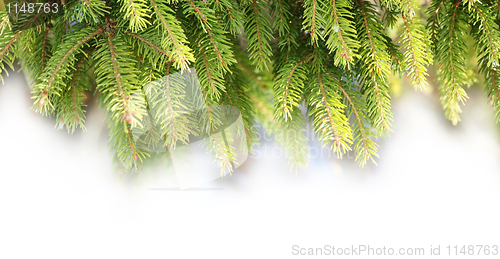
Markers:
point(435, 184)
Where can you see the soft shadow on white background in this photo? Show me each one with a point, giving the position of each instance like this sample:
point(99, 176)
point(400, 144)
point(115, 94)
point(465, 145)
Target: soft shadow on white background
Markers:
point(434, 185)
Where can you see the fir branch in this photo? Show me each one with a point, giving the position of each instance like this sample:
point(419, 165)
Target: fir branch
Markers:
point(391, 12)
point(117, 81)
point(486, 33)
point(288, 88)
point(151, 44)
point(210, 118)
point(373, 66)
point(281, 12)
point(289, 41)
point(70, 111)
point(397, 59)
point(58, 66)
point(334, 56)
point(231, 14)
point(313, 20)
point(215, 34)
point(9, 49)
point(409, 8)
point(211, 58)
point(236, 97)
point(136, 14)
point(327, 111)
point(341, 33)
point(451, 62)
point(167, 98)
point(8, 52)
point(86, 11)
point(487, 44)
point(325, 106)
point(9, 44)
point(5, 21)
point(37, 49)
point(434, 22)
point(492, 89)
point(416, 55)
point(173, 38)
point(44, 47)
point(364, 146)
point(258, 33)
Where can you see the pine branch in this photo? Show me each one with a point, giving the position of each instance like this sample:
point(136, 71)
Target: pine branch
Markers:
point(415, 44)
point(136, 14)
point(7, 44)
point(167, 98)
point(485, 32)
point(146, 45)
point(38, 52)
point(373, 66)
point(236, 97)
point(397, 58)
point(341, 33)
point(231, 14)
point(364, 146)
point(487, 44)
point(288, 87)
point(313, 20)
point(289, 43)
point(117, 81)
point(392, 5)
point(87, 11)
point(434, 22)
point(416, 56)
point(281, 11)
point(70, 111)
point(258, 33)
point(52, 80)
point(214, 39)
point(391, 12)
point(327, 112)
point(333, 56)
point(210, 124)
point(451, 62)
point(13, 32)
point(173, 38)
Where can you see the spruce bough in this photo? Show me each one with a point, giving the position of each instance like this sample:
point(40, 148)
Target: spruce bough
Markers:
point(266, 57)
